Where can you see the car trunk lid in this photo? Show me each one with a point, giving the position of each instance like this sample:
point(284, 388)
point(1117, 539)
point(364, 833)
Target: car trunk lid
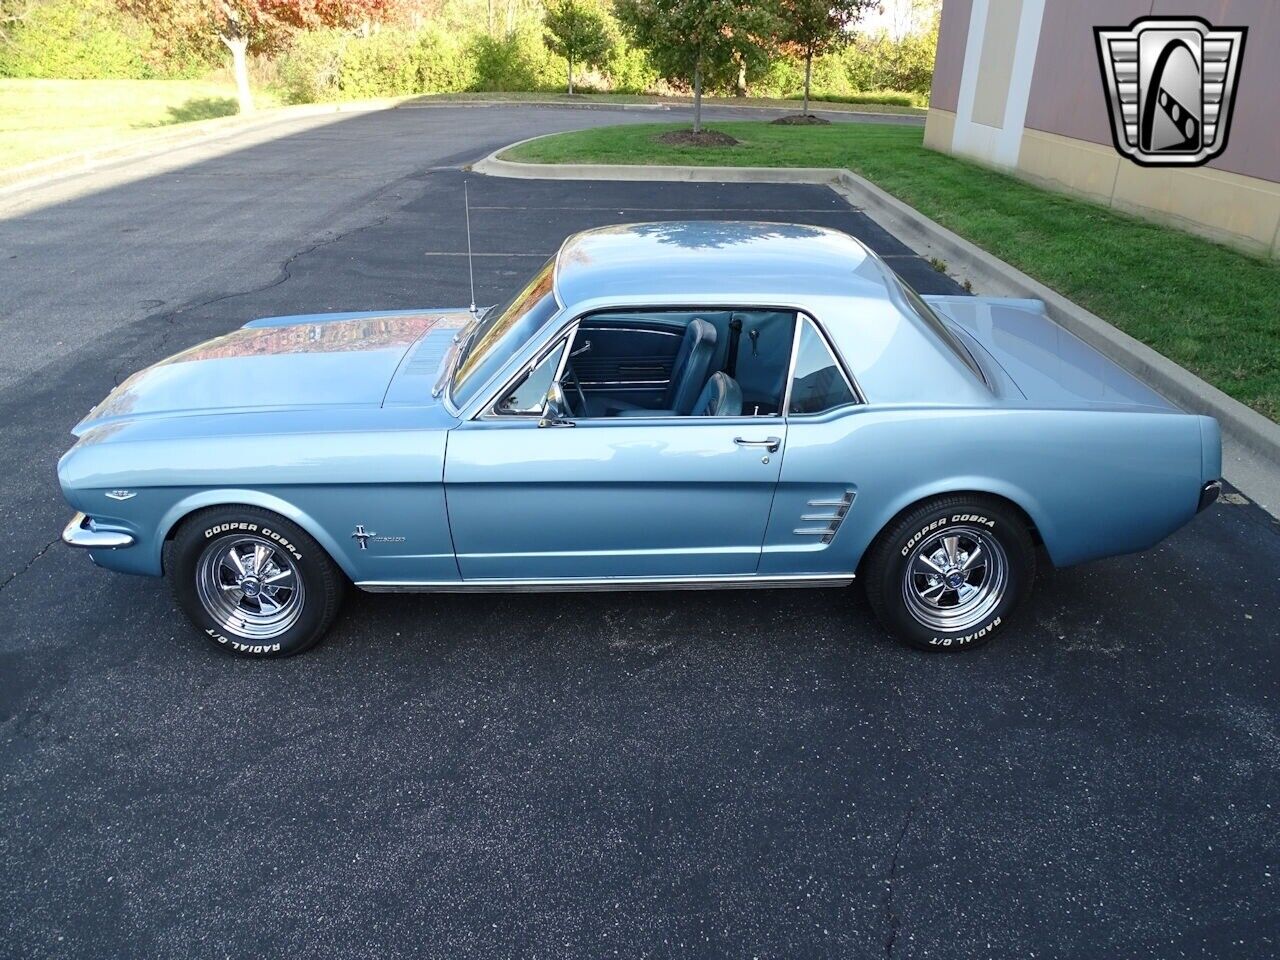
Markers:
point(1047, 363)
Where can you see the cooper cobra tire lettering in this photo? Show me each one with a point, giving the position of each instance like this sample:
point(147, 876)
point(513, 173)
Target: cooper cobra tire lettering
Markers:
point(227, 527)
point(973, 518)
point(283, 542)
point(921, 534)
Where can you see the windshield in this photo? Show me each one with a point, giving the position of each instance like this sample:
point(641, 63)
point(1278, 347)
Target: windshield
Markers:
point(502, 332)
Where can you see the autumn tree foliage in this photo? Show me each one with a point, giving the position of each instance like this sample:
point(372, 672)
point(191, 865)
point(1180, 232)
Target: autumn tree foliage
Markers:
point(245, 27)
point(810, 28)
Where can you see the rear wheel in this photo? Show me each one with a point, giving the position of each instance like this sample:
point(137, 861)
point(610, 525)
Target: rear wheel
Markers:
point(949, 573)
point(253, 582)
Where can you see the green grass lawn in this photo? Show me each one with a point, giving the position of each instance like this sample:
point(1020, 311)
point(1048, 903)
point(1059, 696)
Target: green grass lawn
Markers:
point(46, 118)
point(1209, 308)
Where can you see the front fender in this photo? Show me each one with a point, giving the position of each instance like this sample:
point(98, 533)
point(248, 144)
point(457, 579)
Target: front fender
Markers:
point(243, 497)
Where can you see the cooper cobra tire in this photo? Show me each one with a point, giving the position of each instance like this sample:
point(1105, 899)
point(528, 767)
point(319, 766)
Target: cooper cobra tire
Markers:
point(951, 572)
point(255, 584)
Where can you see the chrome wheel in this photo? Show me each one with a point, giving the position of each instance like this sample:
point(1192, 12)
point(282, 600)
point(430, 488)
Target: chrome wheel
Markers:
point(249, 587)
point(955, 578)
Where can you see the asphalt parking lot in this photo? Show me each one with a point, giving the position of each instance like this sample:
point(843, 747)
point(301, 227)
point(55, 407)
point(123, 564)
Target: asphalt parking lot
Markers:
point(685, 774)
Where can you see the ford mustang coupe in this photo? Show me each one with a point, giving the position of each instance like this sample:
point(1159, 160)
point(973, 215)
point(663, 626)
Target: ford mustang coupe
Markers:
point(663, 405)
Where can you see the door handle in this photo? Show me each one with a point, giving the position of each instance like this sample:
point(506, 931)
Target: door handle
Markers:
point(770, 443)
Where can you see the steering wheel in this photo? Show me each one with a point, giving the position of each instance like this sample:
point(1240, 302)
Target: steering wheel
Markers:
point(571, 376)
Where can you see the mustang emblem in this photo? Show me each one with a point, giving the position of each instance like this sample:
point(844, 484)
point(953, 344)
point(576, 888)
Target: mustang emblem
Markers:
point(364, 537)
point(121, 494)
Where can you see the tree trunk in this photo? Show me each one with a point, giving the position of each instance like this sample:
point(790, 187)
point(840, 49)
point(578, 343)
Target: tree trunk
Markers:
point(697, 97)
point(570, 76)
point(741, 89)
point(808, 72)
point(239, 47)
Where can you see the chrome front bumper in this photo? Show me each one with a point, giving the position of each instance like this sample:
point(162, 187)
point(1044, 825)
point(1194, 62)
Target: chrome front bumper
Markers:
point(81, 533)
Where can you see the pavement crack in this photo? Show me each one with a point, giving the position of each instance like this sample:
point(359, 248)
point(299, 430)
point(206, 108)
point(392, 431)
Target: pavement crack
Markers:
point(891, 911)
point(27, 566)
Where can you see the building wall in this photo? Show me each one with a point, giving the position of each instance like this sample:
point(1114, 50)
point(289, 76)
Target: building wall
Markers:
point(1017, 86)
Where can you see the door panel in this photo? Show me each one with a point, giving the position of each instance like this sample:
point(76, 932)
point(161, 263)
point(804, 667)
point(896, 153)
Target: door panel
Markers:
point(631, 356)
point(628, 361)
point(608, 499)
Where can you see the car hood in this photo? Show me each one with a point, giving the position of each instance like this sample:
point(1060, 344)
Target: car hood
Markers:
point(267, 365)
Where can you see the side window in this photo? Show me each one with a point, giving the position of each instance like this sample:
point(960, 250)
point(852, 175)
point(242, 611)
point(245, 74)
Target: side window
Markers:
point(528, 396)
point(818, 383)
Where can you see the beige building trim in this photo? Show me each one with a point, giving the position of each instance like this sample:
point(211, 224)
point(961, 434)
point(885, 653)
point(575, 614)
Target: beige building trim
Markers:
point(1243, 212)
point(995, 66)
point(939, 129)
point(1076, 166)
point(1230, 208)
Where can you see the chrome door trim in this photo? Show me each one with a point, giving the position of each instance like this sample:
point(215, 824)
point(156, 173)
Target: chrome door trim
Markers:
point(622, 384)
point(785, 409)
point(656, 333)
point(490, 412)
point(746, 581)
point(801, 319)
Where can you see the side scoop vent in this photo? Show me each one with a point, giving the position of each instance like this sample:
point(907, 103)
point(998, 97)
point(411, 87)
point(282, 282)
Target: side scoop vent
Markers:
point(823, 518)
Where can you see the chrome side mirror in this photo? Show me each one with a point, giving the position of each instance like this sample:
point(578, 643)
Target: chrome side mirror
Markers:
point(556, 409)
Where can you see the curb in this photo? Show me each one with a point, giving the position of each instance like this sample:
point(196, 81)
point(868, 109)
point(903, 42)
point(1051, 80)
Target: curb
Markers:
point(565, 104)
point(909, 119)
point(491, 166)
point(200, 131)
point(1240, 424)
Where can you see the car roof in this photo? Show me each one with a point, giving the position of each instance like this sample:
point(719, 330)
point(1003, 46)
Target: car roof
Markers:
point(708, 258)
point(887, 346)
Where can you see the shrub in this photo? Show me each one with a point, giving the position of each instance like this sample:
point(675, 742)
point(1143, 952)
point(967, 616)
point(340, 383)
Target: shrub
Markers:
point(310, 68)
point(629, 69)
point(334, 65)
point(879, 63)
point(892, 98)
point(77, 40)
point(444, 65)
point(518, 61)
point(383, 64)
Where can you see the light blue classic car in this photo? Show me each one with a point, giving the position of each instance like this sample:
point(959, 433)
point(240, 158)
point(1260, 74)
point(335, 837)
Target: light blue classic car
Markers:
point(663, 405)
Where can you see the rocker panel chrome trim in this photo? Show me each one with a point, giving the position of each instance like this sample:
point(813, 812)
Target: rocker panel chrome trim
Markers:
point(739, 582)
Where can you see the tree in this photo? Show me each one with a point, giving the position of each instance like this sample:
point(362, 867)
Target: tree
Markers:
point(695, 41)
point(257, 26)
point(12, 15)
point(813, 27)
point(579, 31)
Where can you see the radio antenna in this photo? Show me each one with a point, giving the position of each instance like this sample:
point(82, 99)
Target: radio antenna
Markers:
point(471, 270)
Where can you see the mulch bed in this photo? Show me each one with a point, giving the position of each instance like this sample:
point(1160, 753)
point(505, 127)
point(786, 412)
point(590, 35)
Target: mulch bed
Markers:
point(800, 119)
point(687, 138)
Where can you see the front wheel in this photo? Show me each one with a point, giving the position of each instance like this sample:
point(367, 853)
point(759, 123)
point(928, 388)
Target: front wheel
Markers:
point(253, 582)
point(949, 573)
